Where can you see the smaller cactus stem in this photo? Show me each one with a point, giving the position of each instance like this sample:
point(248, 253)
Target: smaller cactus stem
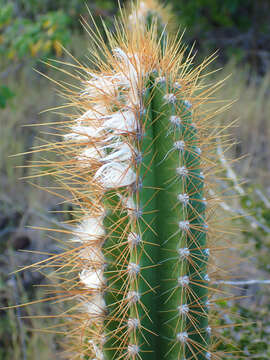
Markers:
point(182, 231)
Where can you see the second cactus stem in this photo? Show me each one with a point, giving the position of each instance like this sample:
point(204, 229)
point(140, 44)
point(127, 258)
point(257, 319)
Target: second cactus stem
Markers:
point(181, 225)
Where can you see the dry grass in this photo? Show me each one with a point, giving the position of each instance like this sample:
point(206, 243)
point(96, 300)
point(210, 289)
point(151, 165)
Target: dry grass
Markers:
point(252, 130)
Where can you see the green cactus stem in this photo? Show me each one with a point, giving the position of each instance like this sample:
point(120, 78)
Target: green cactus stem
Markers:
point(182, 231)
point(160, 297)
point(135, 166)
point(136, 305)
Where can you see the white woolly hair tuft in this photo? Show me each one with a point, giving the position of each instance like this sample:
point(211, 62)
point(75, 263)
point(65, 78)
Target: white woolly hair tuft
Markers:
point(92, 279)
point(90, 229)
point(115, 175)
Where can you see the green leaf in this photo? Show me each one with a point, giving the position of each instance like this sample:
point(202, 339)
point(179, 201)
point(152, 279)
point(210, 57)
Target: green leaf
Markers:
point(5, 94)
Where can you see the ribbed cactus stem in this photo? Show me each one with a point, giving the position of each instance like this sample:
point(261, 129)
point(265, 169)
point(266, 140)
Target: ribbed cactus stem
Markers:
point(136, 172)
point(155, 248)
point(132, 252)
point(182, 232)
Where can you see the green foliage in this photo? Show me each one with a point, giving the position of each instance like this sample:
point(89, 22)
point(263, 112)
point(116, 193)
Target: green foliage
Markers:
point(73, 8)
point(229, 25)
point(252, 337)
point(35, 28)
point(255, 223)
point(211, 13)
point(5, 95)
point(31, 30)
point(6, 12)
point(23, 37)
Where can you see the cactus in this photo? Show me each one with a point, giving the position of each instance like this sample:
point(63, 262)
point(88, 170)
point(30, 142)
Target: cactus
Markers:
point(137, 164)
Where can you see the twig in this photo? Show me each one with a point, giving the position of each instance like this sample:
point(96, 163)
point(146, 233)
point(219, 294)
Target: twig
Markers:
point(229, 171)
point(241, 282)
point(263, 198)
point(252, 219)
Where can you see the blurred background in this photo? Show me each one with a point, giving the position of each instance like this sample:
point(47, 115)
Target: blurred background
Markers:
point(32, 31)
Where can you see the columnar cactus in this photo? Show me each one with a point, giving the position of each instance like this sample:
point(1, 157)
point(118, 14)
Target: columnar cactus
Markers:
point(136, 163)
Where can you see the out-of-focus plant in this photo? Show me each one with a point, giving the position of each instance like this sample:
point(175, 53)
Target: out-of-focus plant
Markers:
point(5, 95)
point(252, 210)
point(239, 28)
point(31, 30)
point(251, 341)
point(73, 8)
point(212, 13)
point(23, 37)
point(257, 207)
